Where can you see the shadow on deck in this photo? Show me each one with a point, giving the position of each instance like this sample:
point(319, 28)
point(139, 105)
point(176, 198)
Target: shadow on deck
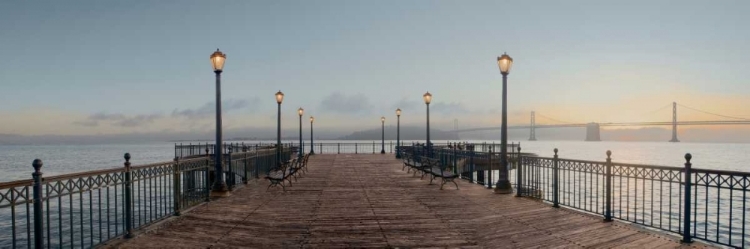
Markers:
point(367, 201)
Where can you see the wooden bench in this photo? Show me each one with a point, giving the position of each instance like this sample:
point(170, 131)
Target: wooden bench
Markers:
point(299, 167)
point(280, 174)
point(420, 165)
point(409, 162)
point(440, 170)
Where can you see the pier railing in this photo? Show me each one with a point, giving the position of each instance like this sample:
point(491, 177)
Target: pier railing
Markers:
point(374, 147)
point(703, 204)
point(475, 163)
point(88, 208)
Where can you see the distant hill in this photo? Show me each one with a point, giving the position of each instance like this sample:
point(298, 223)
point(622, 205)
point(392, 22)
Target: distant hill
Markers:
point(407, 133)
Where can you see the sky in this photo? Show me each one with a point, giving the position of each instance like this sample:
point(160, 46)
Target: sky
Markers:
point(121, 67)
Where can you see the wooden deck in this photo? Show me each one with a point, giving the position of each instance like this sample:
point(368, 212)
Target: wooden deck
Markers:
point(367, 201)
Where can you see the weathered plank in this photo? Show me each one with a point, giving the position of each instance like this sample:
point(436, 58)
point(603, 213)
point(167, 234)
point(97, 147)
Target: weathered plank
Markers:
point(368, 201)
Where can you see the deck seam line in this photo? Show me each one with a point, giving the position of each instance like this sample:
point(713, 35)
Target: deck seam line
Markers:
point(466, 237)
point(306, 239)
point(521, 222)
point(382, 233)
point(243, 219)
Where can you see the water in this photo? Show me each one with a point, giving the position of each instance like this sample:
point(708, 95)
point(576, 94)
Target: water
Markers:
point(15, 161)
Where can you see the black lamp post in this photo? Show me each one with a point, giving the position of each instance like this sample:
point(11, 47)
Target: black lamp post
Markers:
point(427, 99)
point(312, 148)
point(382, 135)
point(217, 60)
point(300, 111)
point(503, 186)
point(398, 133)
point(279, 99)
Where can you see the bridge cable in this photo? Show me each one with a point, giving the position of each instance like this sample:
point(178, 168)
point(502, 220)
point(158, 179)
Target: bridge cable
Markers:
point(712, 113)
point(657, 110)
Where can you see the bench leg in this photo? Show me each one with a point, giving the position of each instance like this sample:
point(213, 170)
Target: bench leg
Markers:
point(448, 180)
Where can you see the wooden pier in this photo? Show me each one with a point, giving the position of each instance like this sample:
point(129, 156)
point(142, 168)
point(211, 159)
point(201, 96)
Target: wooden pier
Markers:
point(368, 201)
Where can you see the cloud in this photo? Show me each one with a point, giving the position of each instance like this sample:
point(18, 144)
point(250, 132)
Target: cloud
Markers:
point(87, 123)
point(101, 116)
point(209, 109)
point(355, 104)
point(138, 120)
point(118, 119)
point(449, 108)
point(406, 105)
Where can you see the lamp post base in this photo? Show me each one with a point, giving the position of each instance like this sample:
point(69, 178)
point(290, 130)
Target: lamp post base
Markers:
point(382, 151)
point(220, 191)
point(503, 187)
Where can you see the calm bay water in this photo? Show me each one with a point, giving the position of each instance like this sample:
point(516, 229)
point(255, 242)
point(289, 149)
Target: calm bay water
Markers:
point(15, 161)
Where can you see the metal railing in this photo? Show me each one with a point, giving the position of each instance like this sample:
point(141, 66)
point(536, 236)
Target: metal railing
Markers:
point(200, 149)
point(85, 209)
point(709, 205)
point(471, 162)
point(88, 208)
point(373, 147)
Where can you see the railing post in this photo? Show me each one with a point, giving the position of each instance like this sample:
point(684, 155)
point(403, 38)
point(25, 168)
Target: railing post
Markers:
point(128, 199)
point(471, 162)
point(556, 181)
point(338, 148)
point(455, 161)
point(244, 170)
point(489, 169)
point(686, 237)
point(208, 175)
point(519, 163)
point(38, 219)
point(176, 182)
point(257, 164)
point(230, 169)
point(608, 188)
point(355, 148)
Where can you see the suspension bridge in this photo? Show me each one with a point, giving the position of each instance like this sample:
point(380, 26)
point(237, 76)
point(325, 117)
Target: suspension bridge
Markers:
point(593, 128)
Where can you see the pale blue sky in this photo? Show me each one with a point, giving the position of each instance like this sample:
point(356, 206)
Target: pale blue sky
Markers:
point(141, 64)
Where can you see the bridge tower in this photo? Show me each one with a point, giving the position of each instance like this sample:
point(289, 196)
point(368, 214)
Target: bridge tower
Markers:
point(532, 135)
point(592, 132)
point(674, 123)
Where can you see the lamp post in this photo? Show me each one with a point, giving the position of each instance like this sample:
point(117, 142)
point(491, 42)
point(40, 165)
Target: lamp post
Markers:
point(220, 186)
point(503, 186)
point(300, 111)
point(382, 135)
point(279, 99)
point(427, 99)
point(312, 148)
point(398, 133)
